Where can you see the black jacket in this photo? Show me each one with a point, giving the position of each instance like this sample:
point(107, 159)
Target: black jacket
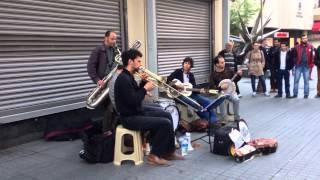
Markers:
point(289, 60)
point(128, 95)
point(178, 74)
point(317, 57)
point(98, 63)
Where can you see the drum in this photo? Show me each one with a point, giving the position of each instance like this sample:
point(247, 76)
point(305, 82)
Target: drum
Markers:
point(169, 106)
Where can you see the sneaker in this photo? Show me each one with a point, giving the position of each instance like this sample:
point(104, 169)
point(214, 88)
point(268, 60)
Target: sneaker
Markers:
point(266, 94)
point(254, 94)
point(278, 96)
point(239, 95)
point(294, 96)
point(305, 96)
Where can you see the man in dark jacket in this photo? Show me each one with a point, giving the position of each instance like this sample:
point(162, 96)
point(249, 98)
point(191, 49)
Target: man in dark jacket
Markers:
point(231, 61)
point(128, 98)
point(273, 78)
point(185, 76)
point(101, 60)
point(100, 63)
point(283, 63)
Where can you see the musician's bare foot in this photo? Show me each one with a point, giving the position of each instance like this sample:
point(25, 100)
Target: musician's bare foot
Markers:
point(174, 156)
point(157, 161)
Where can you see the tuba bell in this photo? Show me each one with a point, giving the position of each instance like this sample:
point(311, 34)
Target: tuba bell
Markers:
point(99, 93)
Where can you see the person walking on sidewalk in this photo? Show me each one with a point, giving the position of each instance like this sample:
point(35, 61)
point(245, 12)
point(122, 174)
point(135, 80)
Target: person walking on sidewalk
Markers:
point(255, 61)
point(303, 60)
point(283, 64)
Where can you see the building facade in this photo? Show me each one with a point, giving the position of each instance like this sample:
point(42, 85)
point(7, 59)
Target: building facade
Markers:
point(45, 46)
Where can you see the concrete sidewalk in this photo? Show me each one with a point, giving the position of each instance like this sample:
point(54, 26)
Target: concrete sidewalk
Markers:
point(294, 122)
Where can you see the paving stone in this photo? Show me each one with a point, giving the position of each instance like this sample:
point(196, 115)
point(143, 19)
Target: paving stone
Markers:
point(295, 123)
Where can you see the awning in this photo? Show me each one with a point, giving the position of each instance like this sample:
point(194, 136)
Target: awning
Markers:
point(316, 26)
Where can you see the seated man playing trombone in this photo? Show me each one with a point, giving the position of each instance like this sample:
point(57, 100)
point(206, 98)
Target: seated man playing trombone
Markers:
point(128, 99)
point(223, 78)
point(185, 76)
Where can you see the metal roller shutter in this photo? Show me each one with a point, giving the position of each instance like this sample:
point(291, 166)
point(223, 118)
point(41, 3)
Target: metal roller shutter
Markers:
point(183, 29)
point(44, 50)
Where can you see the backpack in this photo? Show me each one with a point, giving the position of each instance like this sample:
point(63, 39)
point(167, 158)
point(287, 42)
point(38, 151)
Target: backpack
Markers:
point(223, 144)
point(98, 147)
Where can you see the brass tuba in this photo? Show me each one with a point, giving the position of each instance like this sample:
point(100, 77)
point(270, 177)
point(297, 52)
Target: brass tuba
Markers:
point(98, 94)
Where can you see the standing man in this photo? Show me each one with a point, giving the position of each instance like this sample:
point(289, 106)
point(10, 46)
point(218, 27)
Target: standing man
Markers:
point(100, 63)
point(303, 61)
point(267, 56)
point(101, 59)
point(128, 98)
point(231, 61)
point(283, 64)
point(274, 50)
point(220, 73)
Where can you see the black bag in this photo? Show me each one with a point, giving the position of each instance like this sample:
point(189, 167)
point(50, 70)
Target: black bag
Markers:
point(222, 142)
point(98, 146)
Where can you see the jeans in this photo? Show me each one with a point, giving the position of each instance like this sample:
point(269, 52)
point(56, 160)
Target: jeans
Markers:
point(209, 114)
point(318, 83)
point(304, 70)
point(263, 83)
point(235, 102)
point(283, 74)
point(273, 78)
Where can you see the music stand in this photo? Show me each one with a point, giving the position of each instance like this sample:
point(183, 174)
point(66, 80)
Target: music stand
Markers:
point(214, 104)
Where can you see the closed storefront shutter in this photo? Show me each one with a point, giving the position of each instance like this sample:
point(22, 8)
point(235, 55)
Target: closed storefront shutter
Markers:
point(183, 29)
point(44, 49)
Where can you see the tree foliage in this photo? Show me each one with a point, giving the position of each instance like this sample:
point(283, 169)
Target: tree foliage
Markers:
point(244, 8)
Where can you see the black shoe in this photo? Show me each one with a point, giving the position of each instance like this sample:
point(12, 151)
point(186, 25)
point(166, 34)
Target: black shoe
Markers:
point(317, 96)
point(294, 96)
point(278, 96)
point(289, 97)
point(305, 96)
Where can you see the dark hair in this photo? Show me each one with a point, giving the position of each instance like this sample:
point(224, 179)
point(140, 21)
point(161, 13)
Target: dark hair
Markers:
point(120, 67)
point(283, 43)
point(189, 60)
point(130, 54)
point(216, 59)
point(304, 35)
point(107, 34)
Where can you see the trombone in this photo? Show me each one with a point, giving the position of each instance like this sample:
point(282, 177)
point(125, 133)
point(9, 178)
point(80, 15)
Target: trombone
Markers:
point(160, 82)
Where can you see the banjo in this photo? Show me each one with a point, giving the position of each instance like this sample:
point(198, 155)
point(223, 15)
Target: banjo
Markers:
point(187, 88)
